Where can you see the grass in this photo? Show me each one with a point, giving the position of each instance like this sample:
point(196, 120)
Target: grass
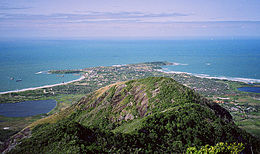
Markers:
point(65, 100)
point(18, 123)
point(249, 121)
point(130, 126)
point(252, 129)
point(251, 125)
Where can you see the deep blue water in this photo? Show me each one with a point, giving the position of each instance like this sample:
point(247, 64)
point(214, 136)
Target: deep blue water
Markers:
point(27, 108)
point(21, 59)
point(250, 89)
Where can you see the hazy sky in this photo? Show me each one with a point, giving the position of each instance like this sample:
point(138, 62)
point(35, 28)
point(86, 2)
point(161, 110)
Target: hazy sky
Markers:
point(129, 18)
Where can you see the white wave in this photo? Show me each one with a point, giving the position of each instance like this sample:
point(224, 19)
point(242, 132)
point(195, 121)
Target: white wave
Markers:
point(239, 79)
point(42, 72)
point(178, 64)
point(166, 70)
point(201, 75)
point(245, 80)
point(39, 72)
point(116, 65)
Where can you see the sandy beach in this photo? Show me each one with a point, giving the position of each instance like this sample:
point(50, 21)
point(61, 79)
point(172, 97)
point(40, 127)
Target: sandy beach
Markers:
point(245, 80)
point(46, 86)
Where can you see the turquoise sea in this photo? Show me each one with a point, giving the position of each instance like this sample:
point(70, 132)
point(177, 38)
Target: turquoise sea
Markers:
point(22, 59)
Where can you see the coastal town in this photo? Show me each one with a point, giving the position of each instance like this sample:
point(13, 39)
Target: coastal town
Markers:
point(243, 106)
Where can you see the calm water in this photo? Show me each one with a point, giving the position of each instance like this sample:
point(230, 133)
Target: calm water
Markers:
point(250, 89)
point(22, 59)
point(27, 108)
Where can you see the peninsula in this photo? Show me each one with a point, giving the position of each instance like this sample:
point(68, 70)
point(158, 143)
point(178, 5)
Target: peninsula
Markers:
point(243, 106)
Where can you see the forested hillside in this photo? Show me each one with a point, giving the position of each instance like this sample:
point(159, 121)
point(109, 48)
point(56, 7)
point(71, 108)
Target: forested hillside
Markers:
point(154, 114)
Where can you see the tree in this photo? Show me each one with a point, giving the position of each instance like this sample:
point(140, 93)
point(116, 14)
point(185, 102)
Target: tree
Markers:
point(220, 147)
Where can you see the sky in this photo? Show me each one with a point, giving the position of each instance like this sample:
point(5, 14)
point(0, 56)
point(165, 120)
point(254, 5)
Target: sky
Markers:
point(129, 18)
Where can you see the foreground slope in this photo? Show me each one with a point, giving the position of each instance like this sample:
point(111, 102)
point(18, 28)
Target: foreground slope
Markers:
point(112, 106)
point(152, 114)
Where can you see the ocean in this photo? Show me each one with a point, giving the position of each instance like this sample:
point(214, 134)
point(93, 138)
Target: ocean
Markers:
point(24, 59)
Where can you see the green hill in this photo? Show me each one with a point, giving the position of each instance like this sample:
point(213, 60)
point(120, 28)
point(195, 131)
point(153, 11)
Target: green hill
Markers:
point(146, 115)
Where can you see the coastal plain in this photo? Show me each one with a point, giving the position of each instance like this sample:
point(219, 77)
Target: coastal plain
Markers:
point(243, 106)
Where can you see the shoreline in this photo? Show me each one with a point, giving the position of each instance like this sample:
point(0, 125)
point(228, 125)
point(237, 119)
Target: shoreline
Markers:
point(238, 79)
point(46, 86)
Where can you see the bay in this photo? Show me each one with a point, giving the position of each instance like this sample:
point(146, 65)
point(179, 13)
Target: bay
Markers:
point(22, 59)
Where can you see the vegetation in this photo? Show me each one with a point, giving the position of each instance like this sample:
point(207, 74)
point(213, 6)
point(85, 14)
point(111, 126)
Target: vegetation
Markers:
point(67, 136)
point(15, 124)
point(155, 114)
point(122, 110)
point(98, 77)
point(218, 148)
point(4, 135)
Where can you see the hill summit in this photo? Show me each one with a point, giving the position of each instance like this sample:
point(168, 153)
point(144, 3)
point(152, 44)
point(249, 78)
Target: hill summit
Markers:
point(154, 114)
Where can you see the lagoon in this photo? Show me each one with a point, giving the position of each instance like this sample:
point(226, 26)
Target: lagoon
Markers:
point(27, 108)
point(250, 89)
